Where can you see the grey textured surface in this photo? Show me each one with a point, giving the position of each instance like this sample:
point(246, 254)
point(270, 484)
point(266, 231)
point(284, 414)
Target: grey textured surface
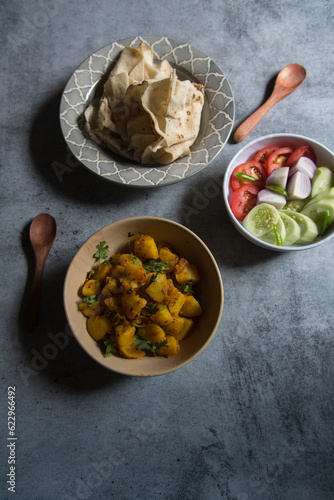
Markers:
point(252, 417)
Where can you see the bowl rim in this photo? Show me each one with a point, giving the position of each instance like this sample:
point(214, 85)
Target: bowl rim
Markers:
point(238, 225)
point(100, 359)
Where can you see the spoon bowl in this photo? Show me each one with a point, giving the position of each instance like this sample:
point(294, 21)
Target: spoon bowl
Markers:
point(288, 80)
point(42, 234)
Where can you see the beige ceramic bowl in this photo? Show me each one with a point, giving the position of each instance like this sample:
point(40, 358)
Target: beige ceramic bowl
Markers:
point(187, 245)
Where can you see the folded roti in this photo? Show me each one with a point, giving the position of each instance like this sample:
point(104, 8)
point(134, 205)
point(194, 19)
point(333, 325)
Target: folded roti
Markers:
point(146, 113)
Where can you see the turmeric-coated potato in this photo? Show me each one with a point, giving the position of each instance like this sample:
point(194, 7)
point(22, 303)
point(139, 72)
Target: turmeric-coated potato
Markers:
point(157, 289)
point(88, 311)
point(166, 255)
point(102, 271)
point(191, 307)
point(152, 333)
point(185, 272)
point(176, 300)
point(99, 326)
point(132, 304)
point(134, 272)
point(125, 333)
point(91, 287)
point(162, 316)
point(179, 328)
point(126, 258)
point(170, 349)
point(130, 351)
point(145, 247)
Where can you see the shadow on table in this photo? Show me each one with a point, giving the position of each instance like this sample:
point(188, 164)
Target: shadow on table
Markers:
point(268, 90)
point(51, 350)
point(62, 171)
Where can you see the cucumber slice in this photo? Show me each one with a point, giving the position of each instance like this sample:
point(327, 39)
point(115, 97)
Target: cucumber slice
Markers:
point(276, 236)
point(292, 229)
point(323, 195)
point(318, 211)
point(322, 180)
point(295, 205)
point(261, 219)
point(308, 228)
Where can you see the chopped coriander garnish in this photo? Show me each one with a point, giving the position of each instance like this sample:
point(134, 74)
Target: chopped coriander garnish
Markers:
point(135, 260)
point(186, 287)
point(151, 309)
point(144, 345)
point(109, 347)
point(102, 251)
point(141, 343)
point(153, 278)
point(90, 299)
point(155, 266)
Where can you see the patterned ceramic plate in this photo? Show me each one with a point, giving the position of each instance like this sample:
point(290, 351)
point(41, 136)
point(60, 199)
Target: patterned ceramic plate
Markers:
point(190, 63)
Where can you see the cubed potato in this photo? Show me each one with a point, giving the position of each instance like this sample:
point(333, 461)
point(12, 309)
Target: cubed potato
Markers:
point(162, 316)
point(132, 304)
point(123, 259)
point(171, 348)
point(157, 289)
point(191, 307)
point(93, 310)
point(166, 255)
point(102, 271)
point(145, 247)
point(176, 300)
point(91, 287)
point(179, 328)
point(130, 351)
point(125, 333)
point(185, 272)
point(152, 333)
point(99, 326)
point(129, 286)
point(133, 272)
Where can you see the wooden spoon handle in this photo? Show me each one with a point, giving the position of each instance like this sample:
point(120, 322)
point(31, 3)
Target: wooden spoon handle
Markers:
point(247, 126)
point(34, 299)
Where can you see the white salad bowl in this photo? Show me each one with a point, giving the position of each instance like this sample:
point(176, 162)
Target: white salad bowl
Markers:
point(325, 157)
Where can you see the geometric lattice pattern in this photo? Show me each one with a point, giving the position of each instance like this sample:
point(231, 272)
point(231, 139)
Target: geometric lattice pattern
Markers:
point(216, 124)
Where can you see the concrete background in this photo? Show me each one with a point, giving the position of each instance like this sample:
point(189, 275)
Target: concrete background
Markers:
point(252, 417)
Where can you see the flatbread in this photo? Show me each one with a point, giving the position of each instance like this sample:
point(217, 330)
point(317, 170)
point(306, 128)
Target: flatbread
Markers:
point(146, 113)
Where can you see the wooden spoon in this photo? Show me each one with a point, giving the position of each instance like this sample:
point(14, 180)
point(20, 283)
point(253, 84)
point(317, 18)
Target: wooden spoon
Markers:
point(43, 230)
point(288, 79)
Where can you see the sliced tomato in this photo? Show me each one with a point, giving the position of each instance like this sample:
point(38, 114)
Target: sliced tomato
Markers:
point(263, 154)
point(305, 150)
point(278, 159)
point(254, 169)
point(243, 200)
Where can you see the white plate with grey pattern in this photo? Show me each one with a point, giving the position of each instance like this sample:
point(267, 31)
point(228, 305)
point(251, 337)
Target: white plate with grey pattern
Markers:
point(216, 122)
